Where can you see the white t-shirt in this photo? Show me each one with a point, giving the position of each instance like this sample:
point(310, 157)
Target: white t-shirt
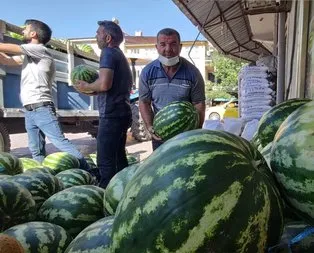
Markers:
point(38, 72)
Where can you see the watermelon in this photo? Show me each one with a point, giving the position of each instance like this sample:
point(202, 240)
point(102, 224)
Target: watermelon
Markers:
point(116, 187)
point(61, 161)
point(266, 153)
point(40, 170)
point(29, 163)
point(4, 176)
point(74, 177)
point(39, 236)
point(175, 118)
point(40, 185)
point(292, 159)
point(95, 238)
point(132, 159)
point(272, 119)
point(16, 205)
point(74, 208)
point(91, 160)
point(202, 191)
point(84, 73)
point(10, 164)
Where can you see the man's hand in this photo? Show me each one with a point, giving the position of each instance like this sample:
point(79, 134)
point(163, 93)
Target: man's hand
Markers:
point(153, 134)
point(83, 87)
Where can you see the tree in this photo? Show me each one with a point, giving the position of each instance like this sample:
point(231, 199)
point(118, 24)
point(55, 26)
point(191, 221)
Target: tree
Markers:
point(226, 70)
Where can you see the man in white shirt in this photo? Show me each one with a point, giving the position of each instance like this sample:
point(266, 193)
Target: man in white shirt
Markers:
point(38, 70)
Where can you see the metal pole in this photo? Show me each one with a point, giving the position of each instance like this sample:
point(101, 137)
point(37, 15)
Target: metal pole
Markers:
point(281, 58)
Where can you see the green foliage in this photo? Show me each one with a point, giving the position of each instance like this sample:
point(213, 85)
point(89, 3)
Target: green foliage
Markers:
point(16, 36)
point(213, 90)
point(226, 70)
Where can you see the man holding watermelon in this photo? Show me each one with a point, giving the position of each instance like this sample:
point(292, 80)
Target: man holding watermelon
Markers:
point(113, 88)
point(38, 70)
point(167, 79)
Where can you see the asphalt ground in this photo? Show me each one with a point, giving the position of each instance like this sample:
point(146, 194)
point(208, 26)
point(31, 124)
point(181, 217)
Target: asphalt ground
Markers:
point(84, 142)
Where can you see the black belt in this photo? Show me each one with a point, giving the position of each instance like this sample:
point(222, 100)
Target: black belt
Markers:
point(32, 107)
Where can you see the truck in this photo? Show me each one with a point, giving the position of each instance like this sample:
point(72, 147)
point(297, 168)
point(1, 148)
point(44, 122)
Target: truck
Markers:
point(77, 113)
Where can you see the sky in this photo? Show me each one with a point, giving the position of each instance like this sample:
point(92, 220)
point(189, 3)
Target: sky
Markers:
point(78, 19)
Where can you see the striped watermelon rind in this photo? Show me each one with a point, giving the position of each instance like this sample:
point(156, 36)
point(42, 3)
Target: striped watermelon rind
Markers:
point(74, 177)
point(10, 164)
point(84, 73)
point(74, 208)
point(291, 160)
point(29, 163)
point(39, 236)
point(95, 238)
point(16, 205)
point(177, 117)
point(61, 161)
point(202, 191)
point(116, 187)
point(41, 185)
point(272, 119)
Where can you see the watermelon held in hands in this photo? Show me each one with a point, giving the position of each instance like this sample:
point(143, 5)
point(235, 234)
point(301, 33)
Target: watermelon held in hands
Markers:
point(84, 73)
point(175, 118)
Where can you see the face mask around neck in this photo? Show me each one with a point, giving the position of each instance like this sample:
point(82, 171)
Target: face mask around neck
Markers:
point(168, 61)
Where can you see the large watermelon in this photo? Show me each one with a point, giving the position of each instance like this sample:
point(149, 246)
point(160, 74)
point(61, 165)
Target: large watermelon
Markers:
point(116, 187)
point(61, 161)
point(292, 159)
point(37, 237)
point(272, 119)
point(175, 118)
point(202, 191)
point(40, 185)
point(29, 163)
point(84, 73)
point(74, 208)
point(74, 177)
point(10, 164)
point(16, 205)
point(95, 238)
point(40, 170)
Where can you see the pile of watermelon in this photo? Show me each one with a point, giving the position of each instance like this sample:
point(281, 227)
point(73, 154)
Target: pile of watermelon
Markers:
point(200, 191)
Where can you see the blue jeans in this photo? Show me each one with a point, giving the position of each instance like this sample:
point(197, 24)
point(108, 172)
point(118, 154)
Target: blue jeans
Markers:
point(43, 122)
point(111, 139)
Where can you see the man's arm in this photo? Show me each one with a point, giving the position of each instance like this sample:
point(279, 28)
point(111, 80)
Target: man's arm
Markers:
point(10, 61)
point(200, 107)
point(148, 117)
point(10, 48)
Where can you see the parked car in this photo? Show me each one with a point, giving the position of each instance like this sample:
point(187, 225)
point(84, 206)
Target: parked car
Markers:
point(228, 109)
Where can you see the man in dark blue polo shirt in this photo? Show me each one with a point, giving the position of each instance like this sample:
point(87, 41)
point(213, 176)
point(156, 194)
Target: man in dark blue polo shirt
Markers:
point(169, 78)
point(113, 89)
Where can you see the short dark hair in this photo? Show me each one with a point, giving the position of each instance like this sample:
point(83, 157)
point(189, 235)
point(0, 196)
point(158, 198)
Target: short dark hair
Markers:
point(168, 32)
point(43, 30)
point(113, 30)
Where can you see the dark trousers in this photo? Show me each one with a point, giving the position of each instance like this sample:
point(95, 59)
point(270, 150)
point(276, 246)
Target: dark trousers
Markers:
point(111, 139)
point(156, 144)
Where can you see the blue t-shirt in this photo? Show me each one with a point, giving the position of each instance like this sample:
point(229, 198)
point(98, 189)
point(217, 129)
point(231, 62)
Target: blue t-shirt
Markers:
point(115, 102)
point(186, 85)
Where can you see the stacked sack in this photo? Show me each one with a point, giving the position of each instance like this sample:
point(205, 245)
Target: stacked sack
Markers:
point(256, 92)
point(256, 96)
